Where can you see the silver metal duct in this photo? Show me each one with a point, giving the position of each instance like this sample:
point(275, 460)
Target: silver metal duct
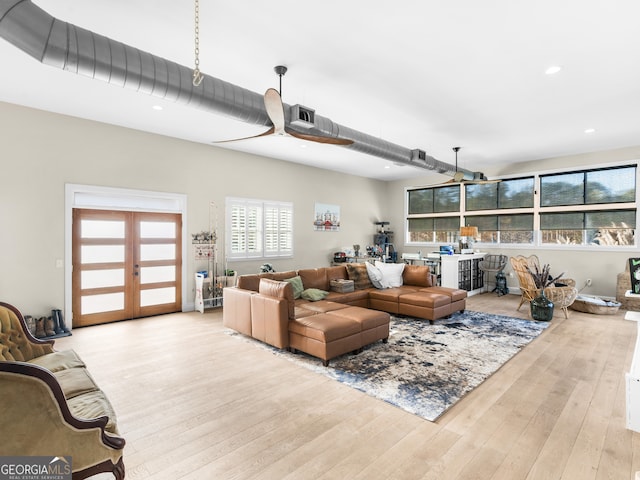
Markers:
point(74, 49)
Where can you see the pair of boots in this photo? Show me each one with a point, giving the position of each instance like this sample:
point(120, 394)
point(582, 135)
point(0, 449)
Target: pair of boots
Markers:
point(58, 322)
point(50, 326)
point(44, 327)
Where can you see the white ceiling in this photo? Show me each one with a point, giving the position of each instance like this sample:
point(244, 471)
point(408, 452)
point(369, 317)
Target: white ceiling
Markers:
point(421, 74)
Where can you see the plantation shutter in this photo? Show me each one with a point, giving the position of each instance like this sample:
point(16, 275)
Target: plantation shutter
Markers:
point(258, 229)
point(278, 229)
point(244, 229)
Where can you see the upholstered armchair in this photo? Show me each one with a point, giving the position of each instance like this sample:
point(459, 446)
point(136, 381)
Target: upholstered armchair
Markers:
point(562, 297)
point(50, 404)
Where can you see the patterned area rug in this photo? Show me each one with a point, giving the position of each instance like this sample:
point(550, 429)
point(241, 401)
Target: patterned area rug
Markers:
point(425, 369)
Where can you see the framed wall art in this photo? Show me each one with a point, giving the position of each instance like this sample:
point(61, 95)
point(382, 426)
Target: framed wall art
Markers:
point(326, 218)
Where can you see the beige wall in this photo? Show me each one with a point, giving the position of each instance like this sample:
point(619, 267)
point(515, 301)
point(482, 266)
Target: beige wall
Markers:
point(598, 264)
point(41, 152)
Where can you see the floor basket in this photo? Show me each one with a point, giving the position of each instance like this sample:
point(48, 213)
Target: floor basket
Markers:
point(595, 305)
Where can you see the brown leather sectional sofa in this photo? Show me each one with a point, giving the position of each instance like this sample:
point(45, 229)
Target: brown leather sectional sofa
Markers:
point(262, 306)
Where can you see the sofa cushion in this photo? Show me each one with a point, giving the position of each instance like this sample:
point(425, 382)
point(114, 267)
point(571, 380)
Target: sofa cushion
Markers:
point(391, 294)
point(314, 278)
point(296, 283)
point(455, 294)
point(325, 327)
point(425, 299)
point(358, 273)
point(303, 312)
point(360, 297)
point(314, 294)
point(56, 361)
point(277, 289)
point(336, 273)
point(75, 381)
point(323, 306)
point(391, 273)
point(252, 281)
point(283, 275)
point(90, 405)
point(418, 275)
point(366, 318)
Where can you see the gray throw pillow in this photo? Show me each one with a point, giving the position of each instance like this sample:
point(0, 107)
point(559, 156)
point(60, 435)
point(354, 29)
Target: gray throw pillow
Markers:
point(296, 284)
point(314, 294)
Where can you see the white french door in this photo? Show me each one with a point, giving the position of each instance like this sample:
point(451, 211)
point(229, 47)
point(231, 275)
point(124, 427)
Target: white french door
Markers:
point(125, 265)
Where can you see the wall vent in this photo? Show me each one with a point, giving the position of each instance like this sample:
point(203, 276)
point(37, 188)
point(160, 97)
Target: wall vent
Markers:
point(303, 116)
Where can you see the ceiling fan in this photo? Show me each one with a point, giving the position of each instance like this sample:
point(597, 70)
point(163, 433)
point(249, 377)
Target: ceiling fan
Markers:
point(458, 177)
point(275, 110)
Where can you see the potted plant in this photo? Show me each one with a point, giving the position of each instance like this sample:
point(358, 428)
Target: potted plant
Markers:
point(541, 306)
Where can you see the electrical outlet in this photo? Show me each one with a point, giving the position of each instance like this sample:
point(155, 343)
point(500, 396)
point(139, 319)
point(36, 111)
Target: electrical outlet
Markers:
point(588, 282)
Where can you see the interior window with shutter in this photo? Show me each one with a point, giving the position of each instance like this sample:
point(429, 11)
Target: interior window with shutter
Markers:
point(259, 229)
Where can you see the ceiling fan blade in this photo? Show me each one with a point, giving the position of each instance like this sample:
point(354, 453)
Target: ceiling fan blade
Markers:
point(480, 182)
point(275, 110)
point(318, 138)
point(448, 182)
point(263, 134)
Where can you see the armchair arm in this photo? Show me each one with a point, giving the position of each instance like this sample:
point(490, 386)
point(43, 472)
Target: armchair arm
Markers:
point(37, 415)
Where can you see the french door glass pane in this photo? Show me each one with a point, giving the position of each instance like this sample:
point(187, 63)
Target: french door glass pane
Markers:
point(102, 278)
point(101, 253)
point(157, 296)
point(157, 252)
point(157, 274)
point(107, 302)
point(102, 229)
point(157, 230)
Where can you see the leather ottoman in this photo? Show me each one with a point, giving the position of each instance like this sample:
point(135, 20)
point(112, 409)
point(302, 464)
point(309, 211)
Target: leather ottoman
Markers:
point(374, 324)
point(325, 335)
point(337, 331)
point(424, 305)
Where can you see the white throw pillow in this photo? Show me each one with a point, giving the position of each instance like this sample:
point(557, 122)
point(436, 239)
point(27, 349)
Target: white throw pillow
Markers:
point(391, 273)
point(375, 275)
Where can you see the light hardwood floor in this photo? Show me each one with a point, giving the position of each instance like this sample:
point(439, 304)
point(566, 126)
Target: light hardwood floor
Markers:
point(196, 403)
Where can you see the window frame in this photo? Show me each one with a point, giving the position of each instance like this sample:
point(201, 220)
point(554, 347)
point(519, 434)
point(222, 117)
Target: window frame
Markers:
point(537, 210)
point(262, 232)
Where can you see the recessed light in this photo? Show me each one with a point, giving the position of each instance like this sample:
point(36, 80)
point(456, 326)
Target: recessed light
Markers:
point(552, 70)
point(590, 130)
point(157, 107)
point(387, 166)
